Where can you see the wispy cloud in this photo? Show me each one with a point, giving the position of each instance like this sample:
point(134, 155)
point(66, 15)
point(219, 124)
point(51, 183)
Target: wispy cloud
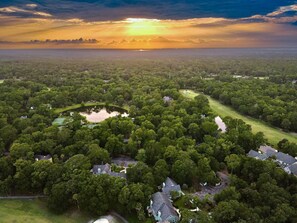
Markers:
point(283, 9)
point(31, 6)
point(22, 11)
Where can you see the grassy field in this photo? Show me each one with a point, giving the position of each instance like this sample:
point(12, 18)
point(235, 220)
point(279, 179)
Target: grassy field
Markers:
point(1, 81)
point(27, 211)
point(273, 135)
point(88, 104)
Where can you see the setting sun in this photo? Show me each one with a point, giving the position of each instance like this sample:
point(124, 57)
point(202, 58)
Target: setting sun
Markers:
point(143, 27)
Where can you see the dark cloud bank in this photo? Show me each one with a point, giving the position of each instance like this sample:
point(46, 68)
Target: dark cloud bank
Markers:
point(92, 10)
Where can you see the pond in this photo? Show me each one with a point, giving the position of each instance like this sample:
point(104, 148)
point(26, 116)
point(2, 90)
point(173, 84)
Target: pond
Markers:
point(99, 114)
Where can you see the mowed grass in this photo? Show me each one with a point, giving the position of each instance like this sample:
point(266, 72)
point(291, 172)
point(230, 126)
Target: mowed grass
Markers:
point(34, 211)
point(274, 135)
point(88, 104)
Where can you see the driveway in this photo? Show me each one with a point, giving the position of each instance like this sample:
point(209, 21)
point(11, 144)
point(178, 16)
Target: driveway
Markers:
point(213, 190)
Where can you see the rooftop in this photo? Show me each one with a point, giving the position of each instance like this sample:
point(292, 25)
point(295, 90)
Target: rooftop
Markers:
point(268, 150)
point(285, 158)
point(221, 124)
point(170, 185)
point(256, 155)
point(293, 169)
point(162, 204)
point(106, 169)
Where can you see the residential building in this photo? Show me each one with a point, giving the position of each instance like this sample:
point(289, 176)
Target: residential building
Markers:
point(221, 125)
point(170, 185)
point(284, 160)
point(167, 99)
point(268, 150)
point(256, 155)
point(106, 169)
point(292, 169)
point(162, 209)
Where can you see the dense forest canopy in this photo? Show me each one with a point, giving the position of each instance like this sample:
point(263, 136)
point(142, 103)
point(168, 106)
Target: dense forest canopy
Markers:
point(178, 138)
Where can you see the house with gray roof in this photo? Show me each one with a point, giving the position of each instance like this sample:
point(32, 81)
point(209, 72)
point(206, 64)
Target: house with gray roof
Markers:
point(124, 161)
point(106, 169)
point(170, 185)
point(167, 99)
point(256, 155)
point(268, 150)
point(292, 169)
point(162, 209)
point(284, 160)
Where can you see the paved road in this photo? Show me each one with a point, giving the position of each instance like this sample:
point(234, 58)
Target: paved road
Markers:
point(21, 197)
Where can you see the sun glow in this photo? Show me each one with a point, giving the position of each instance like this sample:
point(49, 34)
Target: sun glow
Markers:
point(143, 27)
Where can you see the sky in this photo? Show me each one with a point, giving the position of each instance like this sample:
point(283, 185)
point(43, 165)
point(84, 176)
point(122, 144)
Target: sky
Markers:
point(142, 24)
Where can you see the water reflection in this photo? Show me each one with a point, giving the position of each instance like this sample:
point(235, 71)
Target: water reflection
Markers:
point(96, 115)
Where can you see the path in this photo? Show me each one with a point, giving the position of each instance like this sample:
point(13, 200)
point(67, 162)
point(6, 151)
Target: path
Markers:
point(274, 135)
point(21, 197)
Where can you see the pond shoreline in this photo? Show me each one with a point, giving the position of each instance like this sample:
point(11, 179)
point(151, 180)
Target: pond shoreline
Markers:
point(90, 104)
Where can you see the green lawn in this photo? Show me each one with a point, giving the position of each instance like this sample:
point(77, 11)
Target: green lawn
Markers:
point(273, 135)
point(27, 211)
point(1, 81)
point(88, 104)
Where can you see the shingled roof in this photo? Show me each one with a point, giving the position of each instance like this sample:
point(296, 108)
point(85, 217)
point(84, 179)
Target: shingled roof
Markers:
point(268, 150)
point(170, 185)
point(106, 169)
point(162, 207)
point(256, 155)
point(285, 159)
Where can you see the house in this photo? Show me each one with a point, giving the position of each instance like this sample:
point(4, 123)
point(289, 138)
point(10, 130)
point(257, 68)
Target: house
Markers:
point(221, 125)
point(170, 185)
point(256, 155)
point(167, 99)
point(124, 161)
point(106, 169)
point(284, 160)
point(268, 150)
point(162, 209)
point(292, 169)
point(42, 157)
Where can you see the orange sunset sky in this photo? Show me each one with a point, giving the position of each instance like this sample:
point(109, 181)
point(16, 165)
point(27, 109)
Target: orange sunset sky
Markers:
point(40, 24)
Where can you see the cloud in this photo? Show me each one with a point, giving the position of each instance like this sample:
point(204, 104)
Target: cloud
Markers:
point(161, 39)
point(283, 9)
point(66, 41)
point(285, 14)
point(186, 23)
point(31, 6)
point(94, 10)
point(17, 11)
